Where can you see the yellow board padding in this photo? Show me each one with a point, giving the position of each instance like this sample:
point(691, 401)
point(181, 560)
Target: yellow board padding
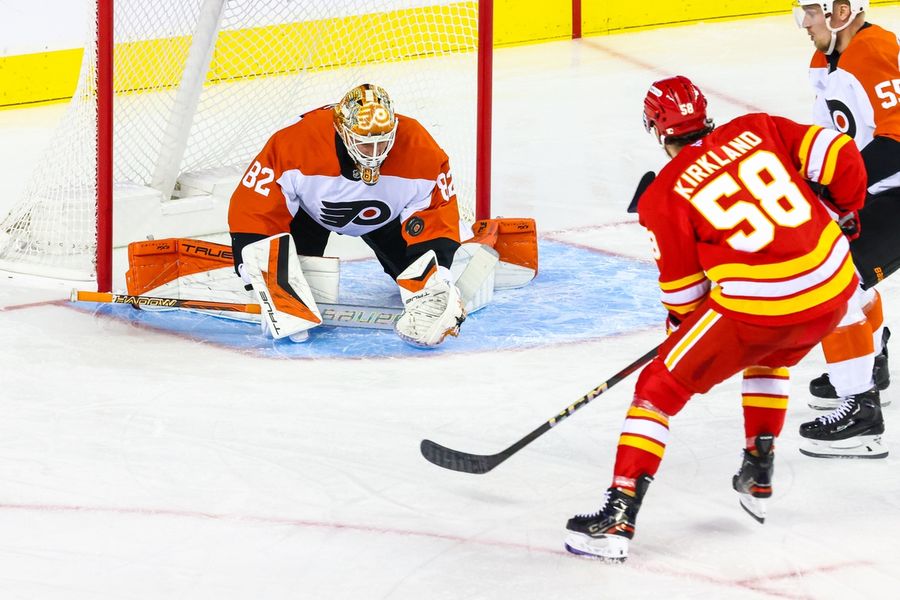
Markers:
point(255, 52)
point(602, 17)
point(52, 76)
point(43, 77)
point(519, 22)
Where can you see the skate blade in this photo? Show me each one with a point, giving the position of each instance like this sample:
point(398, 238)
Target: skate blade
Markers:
point(824, 403)
point(863, 446)
point(611, 549)
point(755, 507)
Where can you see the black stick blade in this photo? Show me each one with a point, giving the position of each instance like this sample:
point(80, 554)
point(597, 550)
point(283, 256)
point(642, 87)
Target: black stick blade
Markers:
point(456, 460)
point(642, 186)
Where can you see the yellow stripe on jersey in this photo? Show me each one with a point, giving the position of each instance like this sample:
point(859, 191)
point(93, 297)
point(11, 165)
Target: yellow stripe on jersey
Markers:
point(831, 159)
point(779, 402)
point(668, 286)
point(785, 269)
point(683, 309)
point(642, 444)
point(697, 331)
point(767, 372)
point(804, 148)
point(643, 413)
point(792, 305)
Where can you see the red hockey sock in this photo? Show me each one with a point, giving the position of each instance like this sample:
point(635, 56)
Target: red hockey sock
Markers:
point(641, 444)
point(765, 398)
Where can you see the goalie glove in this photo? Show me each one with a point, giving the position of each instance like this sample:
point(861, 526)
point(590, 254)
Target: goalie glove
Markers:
point(433, 308)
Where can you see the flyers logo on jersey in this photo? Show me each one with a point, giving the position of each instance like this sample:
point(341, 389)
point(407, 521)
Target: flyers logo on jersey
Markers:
point(368, 213)
point(842, 117)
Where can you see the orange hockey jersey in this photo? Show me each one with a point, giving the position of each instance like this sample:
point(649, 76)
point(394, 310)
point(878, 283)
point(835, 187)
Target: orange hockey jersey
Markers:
point(858, 93)
point(731, 219)
point(302, 168)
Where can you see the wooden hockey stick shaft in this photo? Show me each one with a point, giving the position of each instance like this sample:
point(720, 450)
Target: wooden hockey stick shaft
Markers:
point(466, 462)
point(342, 315)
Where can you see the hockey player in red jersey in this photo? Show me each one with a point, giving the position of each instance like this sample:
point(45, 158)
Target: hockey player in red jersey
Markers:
point(856, 77)
point(754, 273)
point(355, 168)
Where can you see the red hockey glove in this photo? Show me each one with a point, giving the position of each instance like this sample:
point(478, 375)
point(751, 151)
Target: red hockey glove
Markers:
point(672, 323)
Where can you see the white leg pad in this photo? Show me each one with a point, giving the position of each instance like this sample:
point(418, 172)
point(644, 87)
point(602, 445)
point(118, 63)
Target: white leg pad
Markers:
point(323, 274)
point(474, 267)
point(287, 303)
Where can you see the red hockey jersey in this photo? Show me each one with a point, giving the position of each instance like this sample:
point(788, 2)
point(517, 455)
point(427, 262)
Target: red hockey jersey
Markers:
point(732, 219)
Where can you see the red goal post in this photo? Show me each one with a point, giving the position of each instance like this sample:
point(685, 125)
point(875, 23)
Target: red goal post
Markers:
point(175, 97)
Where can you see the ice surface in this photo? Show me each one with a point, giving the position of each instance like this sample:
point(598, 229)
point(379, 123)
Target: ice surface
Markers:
point(140, 464)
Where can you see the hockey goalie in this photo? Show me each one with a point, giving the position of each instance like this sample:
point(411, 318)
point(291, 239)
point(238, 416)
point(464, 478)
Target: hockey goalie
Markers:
point(355, 168)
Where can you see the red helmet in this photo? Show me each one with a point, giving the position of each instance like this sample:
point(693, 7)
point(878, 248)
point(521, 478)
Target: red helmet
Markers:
point(675, 107)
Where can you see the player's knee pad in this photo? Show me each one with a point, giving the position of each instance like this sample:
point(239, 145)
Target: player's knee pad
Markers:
point(659, 387)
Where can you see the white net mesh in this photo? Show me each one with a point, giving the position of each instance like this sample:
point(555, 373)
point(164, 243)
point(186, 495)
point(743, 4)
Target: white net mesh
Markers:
point(268, 61)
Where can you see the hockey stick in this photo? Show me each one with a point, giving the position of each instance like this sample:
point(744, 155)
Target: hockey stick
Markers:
point(482, 463)
point(642, 186)
point(341, 315)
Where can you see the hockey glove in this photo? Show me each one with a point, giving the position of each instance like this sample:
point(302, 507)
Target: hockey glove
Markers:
point(849, 223)
point(433, 308)
point(672, 323)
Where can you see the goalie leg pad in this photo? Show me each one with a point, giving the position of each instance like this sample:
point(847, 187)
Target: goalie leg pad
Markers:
point(516, 242)
point(433, 308)
point(474, 267)
point(287, 303)
point(323, 274)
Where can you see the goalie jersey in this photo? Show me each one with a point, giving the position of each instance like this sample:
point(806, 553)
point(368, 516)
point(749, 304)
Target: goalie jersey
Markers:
point(732, 220)
point(305, 167)
point(858, 93)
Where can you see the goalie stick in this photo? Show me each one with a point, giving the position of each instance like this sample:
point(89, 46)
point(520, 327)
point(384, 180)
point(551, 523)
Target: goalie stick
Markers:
point(341, 315)
point(466, 462)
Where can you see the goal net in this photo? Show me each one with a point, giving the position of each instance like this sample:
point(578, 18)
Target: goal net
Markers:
point(200, 85)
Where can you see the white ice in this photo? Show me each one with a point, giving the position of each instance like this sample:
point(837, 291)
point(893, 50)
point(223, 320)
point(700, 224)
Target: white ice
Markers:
point(139, 465)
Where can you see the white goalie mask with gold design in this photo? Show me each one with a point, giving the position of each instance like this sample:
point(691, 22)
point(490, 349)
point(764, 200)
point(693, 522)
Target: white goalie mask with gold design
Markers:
point(365, 120)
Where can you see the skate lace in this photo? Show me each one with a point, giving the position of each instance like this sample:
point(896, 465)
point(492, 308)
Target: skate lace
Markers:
point(599, 512)
point(839, 413)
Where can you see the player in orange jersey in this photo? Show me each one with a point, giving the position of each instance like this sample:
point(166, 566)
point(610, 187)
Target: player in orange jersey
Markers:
point(752, 266)
point(354, 168)
point(856, 77)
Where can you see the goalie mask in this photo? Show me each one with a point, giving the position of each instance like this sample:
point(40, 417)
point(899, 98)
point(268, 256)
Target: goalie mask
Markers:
point(675, 108)
point(365, 120)
point(806, 13)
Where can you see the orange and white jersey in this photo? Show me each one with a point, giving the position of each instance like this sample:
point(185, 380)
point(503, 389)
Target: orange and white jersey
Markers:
point(732, 220)
point(858, 92)
point(305, 167)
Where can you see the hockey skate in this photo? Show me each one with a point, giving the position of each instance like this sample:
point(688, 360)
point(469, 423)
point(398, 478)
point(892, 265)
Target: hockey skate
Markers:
point(605, 534)
point(853, 430)
point(826, 398)
point(753, 480)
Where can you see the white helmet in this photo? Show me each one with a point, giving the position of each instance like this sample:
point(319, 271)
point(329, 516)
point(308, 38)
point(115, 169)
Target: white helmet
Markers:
point(366, 122)
point(856, 7)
